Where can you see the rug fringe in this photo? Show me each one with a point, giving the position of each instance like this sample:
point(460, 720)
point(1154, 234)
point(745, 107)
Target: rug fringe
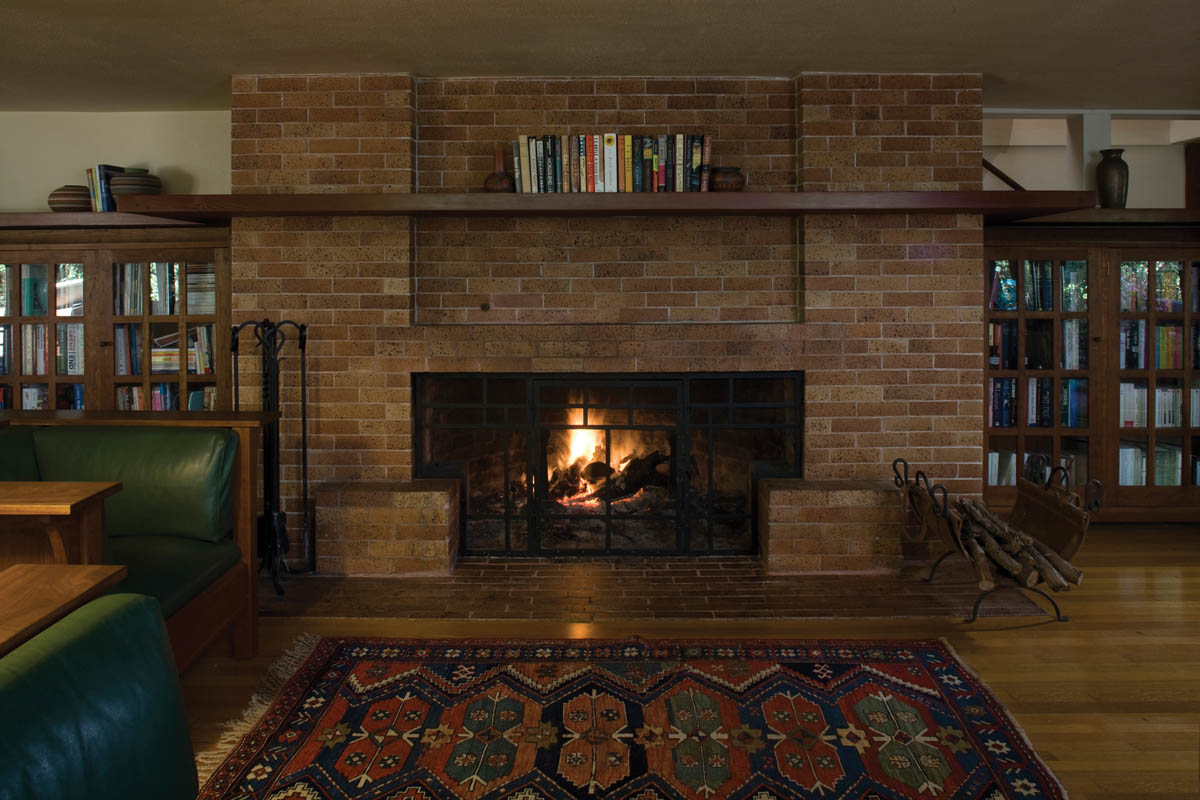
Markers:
point(276, 676)
point(1011, 718)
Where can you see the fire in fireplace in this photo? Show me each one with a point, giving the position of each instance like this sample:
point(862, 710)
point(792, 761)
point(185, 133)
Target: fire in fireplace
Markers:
point(661, 464)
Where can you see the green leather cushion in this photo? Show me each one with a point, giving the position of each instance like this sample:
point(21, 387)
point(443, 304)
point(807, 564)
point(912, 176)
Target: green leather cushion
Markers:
point(172, 569)
point(92, 709)
point(17, 459)
point(176, 481)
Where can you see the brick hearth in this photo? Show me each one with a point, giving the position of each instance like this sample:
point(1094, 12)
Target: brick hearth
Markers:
point(883, 313)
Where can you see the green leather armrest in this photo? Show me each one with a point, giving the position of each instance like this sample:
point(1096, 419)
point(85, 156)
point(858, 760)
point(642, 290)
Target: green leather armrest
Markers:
point(90, 709)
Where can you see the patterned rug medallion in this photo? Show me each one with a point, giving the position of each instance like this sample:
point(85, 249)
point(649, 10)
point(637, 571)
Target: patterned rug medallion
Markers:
point(636, 720)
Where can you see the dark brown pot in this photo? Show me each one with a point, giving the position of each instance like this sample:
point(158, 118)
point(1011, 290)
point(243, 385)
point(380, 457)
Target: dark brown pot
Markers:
point(726, 179)
point(499, 180)
point(1112, 179)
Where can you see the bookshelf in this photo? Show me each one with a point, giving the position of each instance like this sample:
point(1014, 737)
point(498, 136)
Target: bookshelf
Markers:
point(1092, 337)
point(118, 319)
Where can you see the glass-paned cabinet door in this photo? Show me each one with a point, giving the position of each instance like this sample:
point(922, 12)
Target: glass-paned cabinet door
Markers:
point(1157, 321)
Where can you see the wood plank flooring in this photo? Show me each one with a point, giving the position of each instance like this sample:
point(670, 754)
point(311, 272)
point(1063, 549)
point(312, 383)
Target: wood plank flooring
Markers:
point(1110, 699)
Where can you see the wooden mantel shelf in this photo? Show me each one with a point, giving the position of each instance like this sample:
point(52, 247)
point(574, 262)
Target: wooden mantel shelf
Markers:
point(88, 219)
point(220, 207)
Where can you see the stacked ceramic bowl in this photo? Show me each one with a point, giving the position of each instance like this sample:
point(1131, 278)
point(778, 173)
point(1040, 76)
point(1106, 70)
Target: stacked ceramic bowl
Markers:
point(71, 197)
point(138, 183)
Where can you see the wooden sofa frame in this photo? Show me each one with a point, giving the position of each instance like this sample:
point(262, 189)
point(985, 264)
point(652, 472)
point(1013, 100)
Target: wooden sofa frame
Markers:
point(230, 603)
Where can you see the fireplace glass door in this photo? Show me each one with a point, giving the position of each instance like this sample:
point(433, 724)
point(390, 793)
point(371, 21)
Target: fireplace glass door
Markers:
point(608, 464)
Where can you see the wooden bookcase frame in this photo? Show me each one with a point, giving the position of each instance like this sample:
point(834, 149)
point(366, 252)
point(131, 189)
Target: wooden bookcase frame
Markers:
point(1104, 248)
point(98, 250)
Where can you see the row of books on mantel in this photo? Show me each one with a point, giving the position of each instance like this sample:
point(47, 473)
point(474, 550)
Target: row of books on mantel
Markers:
point(612, 162)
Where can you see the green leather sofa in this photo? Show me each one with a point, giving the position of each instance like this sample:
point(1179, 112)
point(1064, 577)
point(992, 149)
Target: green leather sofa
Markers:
point(171, 524)
point(92, 709)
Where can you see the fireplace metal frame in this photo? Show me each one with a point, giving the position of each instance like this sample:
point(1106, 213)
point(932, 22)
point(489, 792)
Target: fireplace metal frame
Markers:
point(526, 420)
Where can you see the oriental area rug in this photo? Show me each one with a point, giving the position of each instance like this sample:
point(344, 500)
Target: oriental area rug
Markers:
point(635, 720)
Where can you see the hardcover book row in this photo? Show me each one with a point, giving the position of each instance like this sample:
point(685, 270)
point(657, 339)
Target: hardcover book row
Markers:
point(612, 162)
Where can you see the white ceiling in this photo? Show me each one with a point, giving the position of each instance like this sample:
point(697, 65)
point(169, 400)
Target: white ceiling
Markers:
point(180, 54)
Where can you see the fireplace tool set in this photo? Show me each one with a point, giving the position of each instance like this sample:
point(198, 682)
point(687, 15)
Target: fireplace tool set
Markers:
point(1031, 548)
point(273, 542)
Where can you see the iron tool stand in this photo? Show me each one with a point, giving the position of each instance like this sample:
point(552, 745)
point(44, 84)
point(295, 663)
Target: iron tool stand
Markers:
point(272, 525)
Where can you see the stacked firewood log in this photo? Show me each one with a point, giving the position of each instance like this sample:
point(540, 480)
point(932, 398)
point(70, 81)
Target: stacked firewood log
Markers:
point(989, 541)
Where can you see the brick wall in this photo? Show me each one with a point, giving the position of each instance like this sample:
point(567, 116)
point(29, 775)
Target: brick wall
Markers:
point(830, 526)
point(588, 270)
point(892, 304)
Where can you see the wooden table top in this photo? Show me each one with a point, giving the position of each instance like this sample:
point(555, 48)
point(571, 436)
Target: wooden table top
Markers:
point(35, 596)
point(53, 498)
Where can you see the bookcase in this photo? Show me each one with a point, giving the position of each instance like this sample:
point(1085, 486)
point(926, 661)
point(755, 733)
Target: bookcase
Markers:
point(1092, 337)
point(124, 319)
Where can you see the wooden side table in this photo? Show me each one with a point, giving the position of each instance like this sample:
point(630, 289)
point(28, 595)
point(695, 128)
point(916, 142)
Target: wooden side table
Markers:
point(35, 596)
point(69, 514)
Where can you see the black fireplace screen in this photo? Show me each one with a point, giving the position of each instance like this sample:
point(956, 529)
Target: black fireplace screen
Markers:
point(652, 464)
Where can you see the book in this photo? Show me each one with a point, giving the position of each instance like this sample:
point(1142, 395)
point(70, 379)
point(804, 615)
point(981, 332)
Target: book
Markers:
point(522, 155)
point(647, 163)
point(103, 191)
point(637, 164)
point(705, 159)
point(598, 159)
point(589, 155)
point(573, 162)
point(565, 162)
point(629, 162)
point(619, 166)
point(540, 160)
point(610, 162)
point(669, 172)
point(677, 168)
point(91, 184)
point(532, 166)
point(516, 154)
point(662, 161)
point(697, 158)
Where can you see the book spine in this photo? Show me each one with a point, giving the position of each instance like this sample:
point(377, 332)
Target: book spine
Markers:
point(610, 162)
point(91, 182)
point(654, 170)
point(627, 163)
point(687, 162)
point(598, 158)
point(564, 150)
point(647, 163)
point(516, 154)
point(620, 165)
point(697, 159)
point(573, 150)
point(679, 158)
point(557, 161)
point(705, 158)
point(669, 172)
point(663, 161)
point(548, 149)
point(541, 165)
point(589, 153)
point(523, 153)
point(637, 163)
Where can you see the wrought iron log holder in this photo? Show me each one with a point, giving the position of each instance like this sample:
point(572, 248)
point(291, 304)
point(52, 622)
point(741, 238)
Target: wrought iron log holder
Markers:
point(967, 528)
point(273, 542)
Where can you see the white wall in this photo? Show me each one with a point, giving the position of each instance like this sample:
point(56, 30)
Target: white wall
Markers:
point(1034, 152)
point(40, 151)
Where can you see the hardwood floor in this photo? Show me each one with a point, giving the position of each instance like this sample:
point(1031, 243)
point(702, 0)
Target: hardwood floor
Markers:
point(1111, 699)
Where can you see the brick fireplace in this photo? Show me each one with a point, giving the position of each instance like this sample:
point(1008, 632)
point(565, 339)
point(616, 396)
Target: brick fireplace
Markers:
point(882, 313)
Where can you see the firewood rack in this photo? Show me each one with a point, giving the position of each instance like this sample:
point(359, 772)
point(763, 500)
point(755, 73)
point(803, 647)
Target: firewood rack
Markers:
point(273, 542)
point(1044, 530)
